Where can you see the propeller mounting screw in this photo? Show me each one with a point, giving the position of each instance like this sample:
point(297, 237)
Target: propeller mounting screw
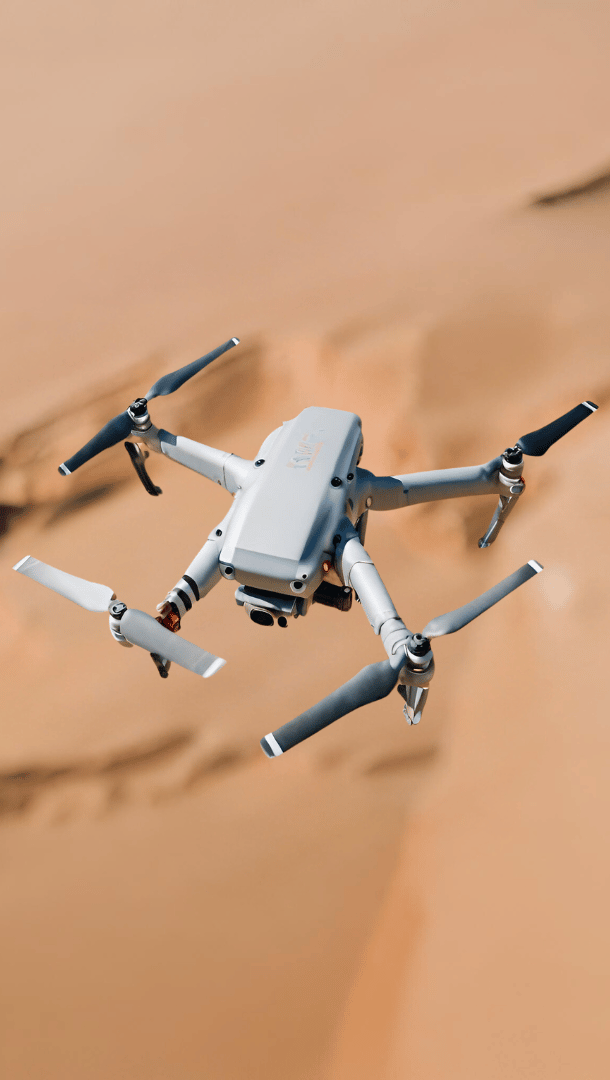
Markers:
point(513, 455)
point(419, 645)
point(337, 539)
point(261, 461)
point(336, 481)
point(218, 532)
point(118, 610)
point(139, 407)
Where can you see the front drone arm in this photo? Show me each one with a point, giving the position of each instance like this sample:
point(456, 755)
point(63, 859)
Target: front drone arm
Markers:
point(196, 582)
point(356, 569)
point(198, 579)
point(410, 661)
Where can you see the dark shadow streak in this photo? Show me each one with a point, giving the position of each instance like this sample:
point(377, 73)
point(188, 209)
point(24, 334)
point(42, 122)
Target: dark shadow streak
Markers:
point(597, 184)
point(86, 498)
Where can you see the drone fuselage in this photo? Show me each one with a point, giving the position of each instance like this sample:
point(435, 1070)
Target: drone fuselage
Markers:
point(280, 529)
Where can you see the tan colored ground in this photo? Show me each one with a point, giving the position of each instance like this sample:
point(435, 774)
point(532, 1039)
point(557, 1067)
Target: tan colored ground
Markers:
point(352, 190)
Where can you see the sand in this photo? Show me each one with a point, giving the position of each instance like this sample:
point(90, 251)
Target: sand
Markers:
point(403, 211)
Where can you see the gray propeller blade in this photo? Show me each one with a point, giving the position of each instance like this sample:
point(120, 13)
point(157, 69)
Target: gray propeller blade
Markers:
point(455, 620)
point(136, 626)
point(120, 426)
point(377, 680)
point(112, 433)
point(87, 594)
point(141, 629)
point(536, 443)
point(371, 684)
point(169, 383)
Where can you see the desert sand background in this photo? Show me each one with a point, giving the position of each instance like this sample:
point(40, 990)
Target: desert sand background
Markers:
point(403, 210)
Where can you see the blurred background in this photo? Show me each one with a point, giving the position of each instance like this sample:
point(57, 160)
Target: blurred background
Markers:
point(403, 210)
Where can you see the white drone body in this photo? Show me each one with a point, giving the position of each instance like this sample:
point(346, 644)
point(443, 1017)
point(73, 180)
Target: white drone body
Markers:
point(294, 536)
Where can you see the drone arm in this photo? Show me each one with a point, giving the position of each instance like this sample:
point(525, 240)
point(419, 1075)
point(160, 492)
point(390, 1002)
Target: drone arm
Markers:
point(393, 492)
point(372, 683)
point(358, 570)
point(223, 468)
point(451, 483)
point(377, 492)
point(198, 579)
point(413, 670)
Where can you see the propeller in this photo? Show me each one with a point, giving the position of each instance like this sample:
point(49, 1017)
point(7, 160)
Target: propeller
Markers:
point(536, 443)
point(136, 627)
point(371, 684)
point(378, 680)
point(120, 426)
point(455, 620)
point(88, 594)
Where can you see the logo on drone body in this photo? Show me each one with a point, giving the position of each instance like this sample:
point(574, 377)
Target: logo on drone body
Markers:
point(307, 450)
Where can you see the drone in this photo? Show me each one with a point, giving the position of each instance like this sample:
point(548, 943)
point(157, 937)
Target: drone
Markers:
point(294, 537)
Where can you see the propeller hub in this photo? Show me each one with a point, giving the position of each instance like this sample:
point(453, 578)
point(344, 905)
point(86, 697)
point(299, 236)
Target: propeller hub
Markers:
point(117, 610)
point(419, 658)
point(513, 455)
point(419, 653)
point(138, 412)
point(419, 645)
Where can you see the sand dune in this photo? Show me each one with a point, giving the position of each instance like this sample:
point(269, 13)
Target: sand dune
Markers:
point(402, 212)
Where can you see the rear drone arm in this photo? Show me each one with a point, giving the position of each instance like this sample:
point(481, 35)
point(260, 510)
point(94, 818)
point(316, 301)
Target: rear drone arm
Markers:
point(501, 476)
point(453, 483)
point(223, 468)
point(228, 470)
point(393, 492)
